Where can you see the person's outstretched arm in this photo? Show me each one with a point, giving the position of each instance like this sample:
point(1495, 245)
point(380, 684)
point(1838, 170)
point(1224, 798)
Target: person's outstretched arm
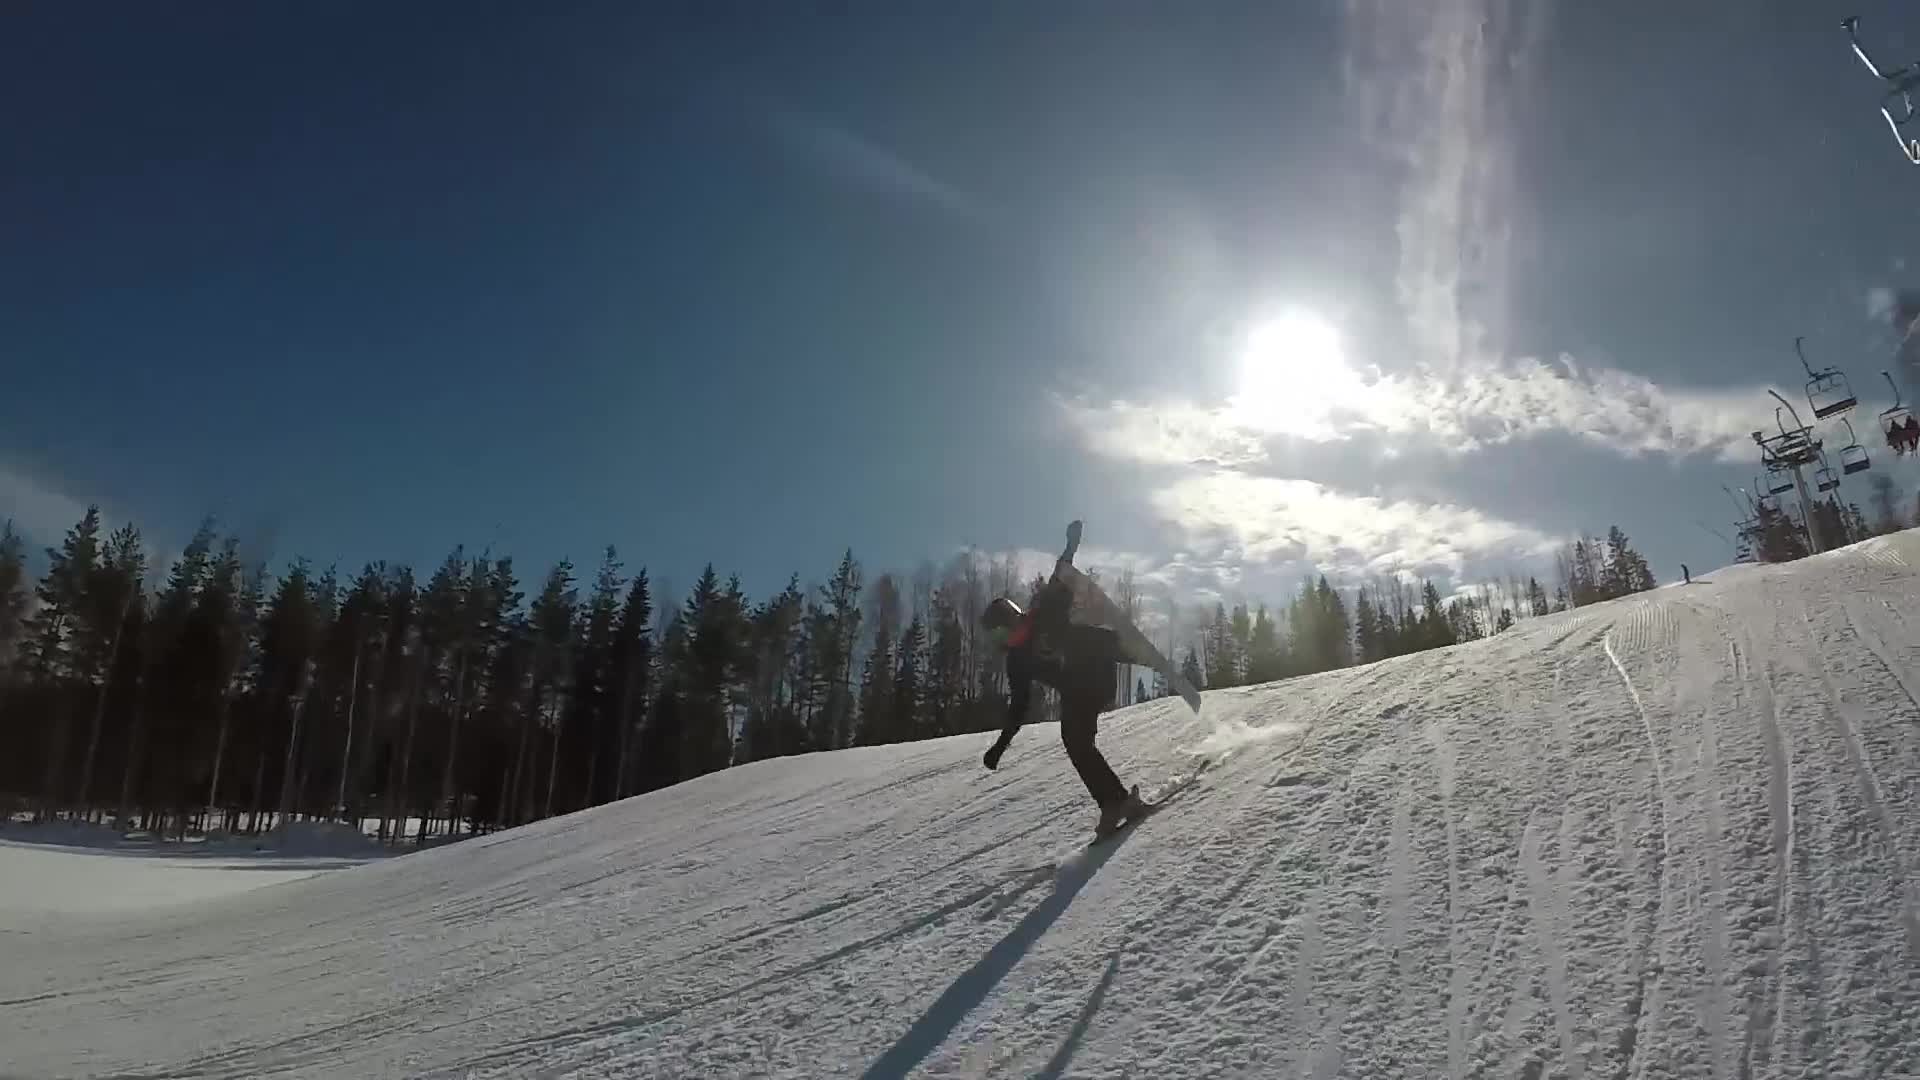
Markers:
point(1019, 690)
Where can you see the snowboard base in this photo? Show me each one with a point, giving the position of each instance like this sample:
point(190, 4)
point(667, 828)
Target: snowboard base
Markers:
point(1136, 645)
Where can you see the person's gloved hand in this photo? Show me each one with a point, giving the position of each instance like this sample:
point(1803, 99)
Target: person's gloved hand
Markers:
point(992, 758)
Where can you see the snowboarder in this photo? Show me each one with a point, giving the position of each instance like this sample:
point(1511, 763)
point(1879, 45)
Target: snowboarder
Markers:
point(1077, 661)
point(1686, 573)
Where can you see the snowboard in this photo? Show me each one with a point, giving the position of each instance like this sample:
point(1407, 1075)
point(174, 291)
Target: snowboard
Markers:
point(1165, 795)
point(1092, 599)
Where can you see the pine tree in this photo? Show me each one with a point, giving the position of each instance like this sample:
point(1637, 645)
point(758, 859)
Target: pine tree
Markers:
point(398, 710)
point(775, 725)
point(631, 673)
point(165, 662)
point(943, 685)
point(490, 624)
point(1240, 641)
point(704, 667)
point(1190, 670)
point(1335, 629)
point(590, 730)
point(1437, 632)
point(1463, 619)
point(1857, 523)
point(51, 643)
point(834, 639)
point(289, 636)
point(878, 723)
point(551, 630)
point(354, 650)
point(1223, 662)
point(1366, 631)
point(112, 592)
point(224, 624)
point(909, 683)
point(1505, 622)
point(1266, 658)
point(876, 697)
point(13, 595)
point(1537, 604)
point(47, 648)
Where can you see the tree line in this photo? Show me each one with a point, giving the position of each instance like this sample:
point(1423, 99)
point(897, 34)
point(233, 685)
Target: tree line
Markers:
point(225, 697)
point(1317, 631)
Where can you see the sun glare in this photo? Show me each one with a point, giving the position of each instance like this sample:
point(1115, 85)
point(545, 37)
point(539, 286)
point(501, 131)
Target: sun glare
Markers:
point(1294, 376)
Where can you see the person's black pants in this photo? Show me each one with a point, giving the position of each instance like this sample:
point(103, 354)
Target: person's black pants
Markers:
point(1080, 707)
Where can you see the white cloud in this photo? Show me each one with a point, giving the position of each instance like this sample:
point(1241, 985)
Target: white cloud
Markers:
point(1470, 410)
point(36, 508)
point(1287, 525)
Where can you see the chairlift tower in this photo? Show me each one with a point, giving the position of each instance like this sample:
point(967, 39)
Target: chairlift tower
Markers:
point(1792, 451)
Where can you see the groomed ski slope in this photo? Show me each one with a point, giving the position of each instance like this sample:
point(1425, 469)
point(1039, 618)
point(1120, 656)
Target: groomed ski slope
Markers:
point(1673, 835)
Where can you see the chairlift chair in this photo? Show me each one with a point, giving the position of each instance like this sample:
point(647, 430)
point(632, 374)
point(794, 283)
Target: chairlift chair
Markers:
point(1779, 481)
point(1824, 478)
point(1892, 420)
point(1853, 456)
point(1765, 503)
point(1828, 393)
point(1901, 83)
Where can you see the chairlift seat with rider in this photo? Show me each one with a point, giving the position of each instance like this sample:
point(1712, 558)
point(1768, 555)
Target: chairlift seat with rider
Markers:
point(1893, 422)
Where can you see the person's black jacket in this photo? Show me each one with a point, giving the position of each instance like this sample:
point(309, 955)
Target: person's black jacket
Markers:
point(1075, 659)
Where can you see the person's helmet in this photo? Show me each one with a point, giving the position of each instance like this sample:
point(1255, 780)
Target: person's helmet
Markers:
point(1001, 613)
point(1001, 616)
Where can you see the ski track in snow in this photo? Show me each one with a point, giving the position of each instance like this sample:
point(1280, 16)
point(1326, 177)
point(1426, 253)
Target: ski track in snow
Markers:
point(1673, 835)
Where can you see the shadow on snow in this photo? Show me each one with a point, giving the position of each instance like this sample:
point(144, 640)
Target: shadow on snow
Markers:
point(978, 981)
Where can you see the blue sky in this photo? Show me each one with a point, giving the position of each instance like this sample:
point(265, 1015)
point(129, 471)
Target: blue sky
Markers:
point(1256, 290)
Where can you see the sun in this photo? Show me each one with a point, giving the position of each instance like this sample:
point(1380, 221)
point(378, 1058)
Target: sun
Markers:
point(1294, 376)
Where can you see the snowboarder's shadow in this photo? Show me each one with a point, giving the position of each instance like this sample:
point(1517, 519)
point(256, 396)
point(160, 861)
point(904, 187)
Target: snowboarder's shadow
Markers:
point(978, 981)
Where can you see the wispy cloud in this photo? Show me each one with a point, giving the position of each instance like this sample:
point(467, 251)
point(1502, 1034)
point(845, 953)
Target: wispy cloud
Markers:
point(1435, 85)
point(1230, 536)
point(36, 507)
point(1492, 405)
point(1286, 526)
point(859, 161)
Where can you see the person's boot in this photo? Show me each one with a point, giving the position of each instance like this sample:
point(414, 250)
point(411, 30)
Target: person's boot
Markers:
point(1113, 814)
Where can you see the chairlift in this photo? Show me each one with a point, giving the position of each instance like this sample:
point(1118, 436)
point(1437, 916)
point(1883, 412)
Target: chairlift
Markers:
point(1893, 420)
point(1828, 393)
point(1765, 503)
point(1824, 478)
point(1901, 83)
point(1779, 481)
point(1853, 456)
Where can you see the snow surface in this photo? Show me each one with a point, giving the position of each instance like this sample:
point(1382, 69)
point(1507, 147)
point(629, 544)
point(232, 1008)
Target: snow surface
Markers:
point(1672, 835)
